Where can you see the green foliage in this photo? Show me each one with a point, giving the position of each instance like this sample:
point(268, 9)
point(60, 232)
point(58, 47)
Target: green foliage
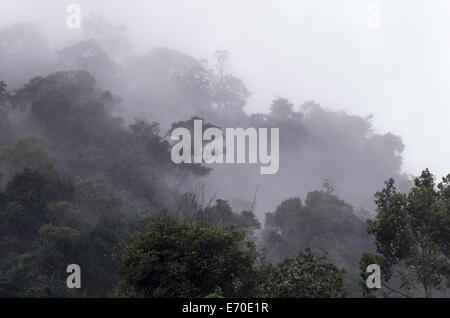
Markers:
point(80, 199)
point(324, 223)
point(173, 259)
point(216, 294)
point(410, 233)
point(304, 276)
point(25, 198)
point(42, 271)
point(28, 151)
point(222, 215)
point(63, 213)
point(69, 109)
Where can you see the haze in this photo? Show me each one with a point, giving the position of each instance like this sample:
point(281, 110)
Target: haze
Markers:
point(303, 50)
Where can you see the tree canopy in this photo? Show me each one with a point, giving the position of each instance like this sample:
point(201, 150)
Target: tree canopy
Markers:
point(411, 236)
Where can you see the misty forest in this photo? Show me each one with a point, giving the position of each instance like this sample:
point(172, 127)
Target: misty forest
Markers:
point(86, 177)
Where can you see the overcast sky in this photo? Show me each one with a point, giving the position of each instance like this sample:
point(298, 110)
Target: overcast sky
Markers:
point(304, 50)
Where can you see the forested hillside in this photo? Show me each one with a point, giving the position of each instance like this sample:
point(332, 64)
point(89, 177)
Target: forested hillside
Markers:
point(87, 178)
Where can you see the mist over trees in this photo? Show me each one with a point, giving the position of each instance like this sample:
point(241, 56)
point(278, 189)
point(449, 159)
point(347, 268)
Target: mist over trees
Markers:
point(86, 177)
point(411, 235)
point(167, 86)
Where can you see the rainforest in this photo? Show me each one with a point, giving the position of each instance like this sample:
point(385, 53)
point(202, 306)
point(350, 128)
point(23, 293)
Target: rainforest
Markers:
point(90, 120)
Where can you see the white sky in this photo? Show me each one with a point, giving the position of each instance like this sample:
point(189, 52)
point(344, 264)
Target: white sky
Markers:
point(304, 50)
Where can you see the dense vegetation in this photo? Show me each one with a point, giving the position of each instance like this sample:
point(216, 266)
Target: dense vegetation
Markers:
point(81, 184)
point(412, 238)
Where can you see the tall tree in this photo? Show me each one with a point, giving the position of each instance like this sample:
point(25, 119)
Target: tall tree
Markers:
point(411, 234)
point(304, 276)
point(173, 259)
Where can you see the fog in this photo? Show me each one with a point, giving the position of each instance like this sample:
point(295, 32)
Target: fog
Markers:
point(396, 73)
point(321, 50)
point(94, 158)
